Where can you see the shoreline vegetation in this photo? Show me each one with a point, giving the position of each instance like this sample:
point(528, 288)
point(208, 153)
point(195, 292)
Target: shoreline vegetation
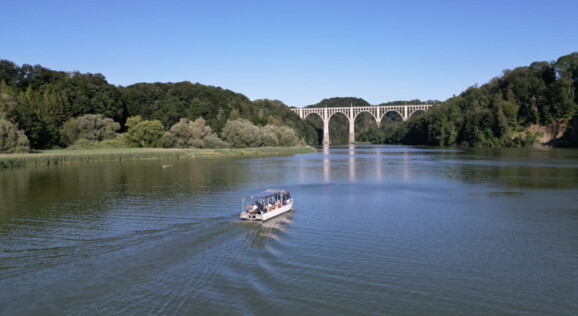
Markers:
point(71, 156)
point(42, 109)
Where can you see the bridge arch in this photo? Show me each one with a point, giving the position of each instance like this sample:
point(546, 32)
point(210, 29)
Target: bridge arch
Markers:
point(405, 111)
point(312, 113)
point(393, 111)
point(377, 120)
point(414, 112)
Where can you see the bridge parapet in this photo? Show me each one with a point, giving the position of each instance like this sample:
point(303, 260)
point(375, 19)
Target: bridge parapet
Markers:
point(351, 112)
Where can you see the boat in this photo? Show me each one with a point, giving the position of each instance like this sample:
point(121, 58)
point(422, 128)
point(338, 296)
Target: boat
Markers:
point(266, 205)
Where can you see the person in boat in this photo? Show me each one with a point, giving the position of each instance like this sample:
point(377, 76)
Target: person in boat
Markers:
point(278, 204)
point(253, 208)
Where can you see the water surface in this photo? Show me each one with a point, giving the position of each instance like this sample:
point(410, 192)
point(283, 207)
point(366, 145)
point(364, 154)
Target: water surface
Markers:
point(376, 230)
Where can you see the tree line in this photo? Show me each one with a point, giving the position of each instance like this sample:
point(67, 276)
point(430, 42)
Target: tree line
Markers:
point(496, 114)
point(499, 113)
point(42, 108)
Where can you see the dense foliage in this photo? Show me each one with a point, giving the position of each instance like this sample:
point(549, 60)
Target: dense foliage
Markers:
point(500, 112)
point(43, 108)
point(12, 140)
point(39, 100)
point(241, 133)
point(42, 102)
point(415, 101)
point(187, 134)
point(144, 133)
point(169, 102)
point(91, 127)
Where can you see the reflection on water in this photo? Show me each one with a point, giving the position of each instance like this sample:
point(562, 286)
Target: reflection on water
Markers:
point(326, 164)
point(373, 163)
point(378, 230)
point(513, 167)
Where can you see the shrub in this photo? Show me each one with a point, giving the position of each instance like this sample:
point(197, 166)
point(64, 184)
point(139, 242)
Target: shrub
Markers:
point(12, 140)
point(190, 134)
point(287, 137)
point(168, 140)
point(144, 133)
point(269, 136)
point(213, 141)
point(92, 127)
point(241, 133)
point(113, 143)
point(83, 144)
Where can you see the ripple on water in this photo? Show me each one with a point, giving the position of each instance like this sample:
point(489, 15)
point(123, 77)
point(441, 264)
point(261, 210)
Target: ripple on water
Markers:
point(382, 230)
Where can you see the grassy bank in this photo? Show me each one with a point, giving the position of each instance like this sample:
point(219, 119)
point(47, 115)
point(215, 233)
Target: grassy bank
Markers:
point(68, 156)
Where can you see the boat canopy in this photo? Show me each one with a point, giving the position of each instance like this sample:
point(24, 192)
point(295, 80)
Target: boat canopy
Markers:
point(265, 194)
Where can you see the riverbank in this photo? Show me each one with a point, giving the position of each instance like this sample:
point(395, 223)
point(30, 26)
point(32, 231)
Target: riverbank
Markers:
point(69, 156)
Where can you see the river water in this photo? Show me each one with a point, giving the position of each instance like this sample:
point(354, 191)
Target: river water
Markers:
point(376, 230)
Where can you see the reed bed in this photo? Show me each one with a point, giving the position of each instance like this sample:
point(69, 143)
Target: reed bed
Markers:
point(68, 156)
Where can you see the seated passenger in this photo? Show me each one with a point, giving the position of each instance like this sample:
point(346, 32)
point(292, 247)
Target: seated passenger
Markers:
point(260, 206)
point(254, 208)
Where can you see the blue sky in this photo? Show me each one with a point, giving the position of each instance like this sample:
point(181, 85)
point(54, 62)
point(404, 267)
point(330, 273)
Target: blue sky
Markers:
point(295, 51)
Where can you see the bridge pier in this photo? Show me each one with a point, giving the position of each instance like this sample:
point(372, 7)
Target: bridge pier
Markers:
point(325, 127)
point(325, 132)
point(351, 112)
point(351, 118)
point(351, 131)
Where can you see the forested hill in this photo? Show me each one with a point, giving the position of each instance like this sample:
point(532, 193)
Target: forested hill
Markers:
point(339, 102)
point(514, 109)
point(39, 101)
point(522, 107)
point(412, 102)
point(352, 101)
point(168, 102)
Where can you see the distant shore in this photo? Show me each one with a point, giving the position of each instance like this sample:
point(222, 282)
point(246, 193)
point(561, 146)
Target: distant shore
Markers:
point(70, 156)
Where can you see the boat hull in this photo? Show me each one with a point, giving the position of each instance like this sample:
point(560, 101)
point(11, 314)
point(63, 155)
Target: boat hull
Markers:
point(268, 215)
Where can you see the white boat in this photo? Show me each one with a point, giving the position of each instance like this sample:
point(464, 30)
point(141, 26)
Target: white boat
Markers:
point(266, 205)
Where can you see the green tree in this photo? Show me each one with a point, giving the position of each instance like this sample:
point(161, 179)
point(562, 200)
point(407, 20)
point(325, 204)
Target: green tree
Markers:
point(213, 141)
point(235, 114)
point(92, 127)
point(287, 137)
point(12, 140)
point(241, 133)
point(8, 72)
point(190, 134)
point(269, 136)
point(144, 133)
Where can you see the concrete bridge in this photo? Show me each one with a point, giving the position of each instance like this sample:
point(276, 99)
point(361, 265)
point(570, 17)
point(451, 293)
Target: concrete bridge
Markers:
point(351, 112)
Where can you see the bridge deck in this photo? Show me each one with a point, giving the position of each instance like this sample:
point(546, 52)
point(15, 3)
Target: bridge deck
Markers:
point(351, 112)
